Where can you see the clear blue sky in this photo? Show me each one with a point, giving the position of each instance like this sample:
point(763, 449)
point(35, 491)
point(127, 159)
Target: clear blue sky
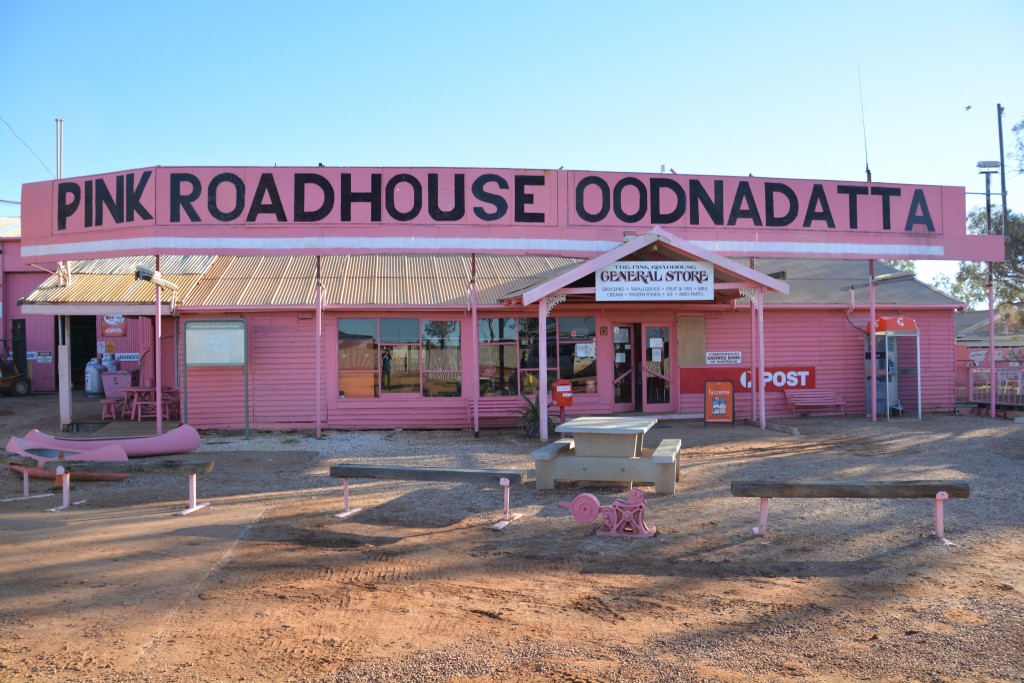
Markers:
point(770, 89)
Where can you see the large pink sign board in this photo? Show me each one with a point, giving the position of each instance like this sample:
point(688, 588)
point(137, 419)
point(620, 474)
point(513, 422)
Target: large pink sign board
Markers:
point(204, 210)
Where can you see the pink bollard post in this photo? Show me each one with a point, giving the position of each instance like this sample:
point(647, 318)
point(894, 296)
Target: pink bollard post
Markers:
point(507, 519)
point(347, 511)
point(762, 518)
point(939, 521)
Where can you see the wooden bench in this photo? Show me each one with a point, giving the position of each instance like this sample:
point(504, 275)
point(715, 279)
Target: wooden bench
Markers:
point(496, 412)
point(64, 468)
point(804, 401)
point(940, 490)
point(504, 478)
point(557, 461)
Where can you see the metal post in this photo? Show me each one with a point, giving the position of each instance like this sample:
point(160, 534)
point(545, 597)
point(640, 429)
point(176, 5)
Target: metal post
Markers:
point(1002, 167)
point(542, 381)
point(760, 354)
point(474, 349)
point(991, 344)
point(319, 342)
point(158, 374)
point(871, 342)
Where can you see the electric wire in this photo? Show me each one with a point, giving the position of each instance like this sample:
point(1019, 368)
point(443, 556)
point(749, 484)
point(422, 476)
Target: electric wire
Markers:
point(27, 147)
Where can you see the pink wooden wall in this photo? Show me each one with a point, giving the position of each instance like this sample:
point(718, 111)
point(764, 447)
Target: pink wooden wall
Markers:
point(283, 374)
point(828, 341)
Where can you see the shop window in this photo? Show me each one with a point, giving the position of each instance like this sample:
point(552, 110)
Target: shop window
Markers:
point(442, 358)
point(400, 356)
point(383, 356)
point(577, 353)
point(510, 356)
point(529, 354)
point(358, 358)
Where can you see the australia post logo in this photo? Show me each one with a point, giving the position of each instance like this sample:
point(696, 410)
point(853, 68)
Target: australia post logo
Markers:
point(775, 378)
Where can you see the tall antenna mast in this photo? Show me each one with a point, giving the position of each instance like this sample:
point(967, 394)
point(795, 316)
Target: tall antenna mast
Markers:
point(863, 124)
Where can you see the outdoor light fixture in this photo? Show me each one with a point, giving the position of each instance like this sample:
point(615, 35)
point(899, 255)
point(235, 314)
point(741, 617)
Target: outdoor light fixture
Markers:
point(154, 276)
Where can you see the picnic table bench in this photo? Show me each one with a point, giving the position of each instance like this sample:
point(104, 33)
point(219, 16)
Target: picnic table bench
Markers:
point(558, 461)
point(940, 490)
point(63, 469)
point(801, 401)
point(504, 478)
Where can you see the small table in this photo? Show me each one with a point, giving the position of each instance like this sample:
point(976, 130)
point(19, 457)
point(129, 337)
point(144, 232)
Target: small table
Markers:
point(608, 436)
point(132, 396)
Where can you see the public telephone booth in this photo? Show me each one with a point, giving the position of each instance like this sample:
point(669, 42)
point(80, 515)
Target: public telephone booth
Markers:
point(897, 342)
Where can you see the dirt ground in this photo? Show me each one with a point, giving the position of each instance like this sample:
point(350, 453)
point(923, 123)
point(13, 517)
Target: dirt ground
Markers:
point(266, 584)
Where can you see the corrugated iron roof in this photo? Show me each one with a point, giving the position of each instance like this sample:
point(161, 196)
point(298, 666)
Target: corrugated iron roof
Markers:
point(821, 281)
point(424, 280)
point(112, 280)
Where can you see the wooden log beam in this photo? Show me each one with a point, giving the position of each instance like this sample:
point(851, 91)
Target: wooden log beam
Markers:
point(358, 471)
point(115, 466)
point(956, 488)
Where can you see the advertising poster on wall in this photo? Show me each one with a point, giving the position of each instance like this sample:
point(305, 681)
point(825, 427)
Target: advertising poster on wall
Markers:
point(719, 403)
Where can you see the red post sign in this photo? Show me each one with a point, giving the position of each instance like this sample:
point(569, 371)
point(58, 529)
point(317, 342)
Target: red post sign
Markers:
point(719, 402)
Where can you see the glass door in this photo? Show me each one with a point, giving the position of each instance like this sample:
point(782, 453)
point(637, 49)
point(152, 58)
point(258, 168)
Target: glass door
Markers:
point(626, 383)
point(657, 369)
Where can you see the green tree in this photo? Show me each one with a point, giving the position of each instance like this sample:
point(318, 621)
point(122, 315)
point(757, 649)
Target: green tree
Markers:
point(904, 265)
point(1018, 131)
point(970, 284)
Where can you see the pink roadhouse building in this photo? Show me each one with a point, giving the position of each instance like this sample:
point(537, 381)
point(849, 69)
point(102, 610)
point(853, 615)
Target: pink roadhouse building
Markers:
point(369, 298)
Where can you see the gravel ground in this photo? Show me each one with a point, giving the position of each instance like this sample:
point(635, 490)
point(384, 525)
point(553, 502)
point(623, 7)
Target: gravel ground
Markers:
point(267, 585)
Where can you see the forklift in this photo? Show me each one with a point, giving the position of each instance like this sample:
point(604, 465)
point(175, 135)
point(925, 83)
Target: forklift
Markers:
point(13, 381)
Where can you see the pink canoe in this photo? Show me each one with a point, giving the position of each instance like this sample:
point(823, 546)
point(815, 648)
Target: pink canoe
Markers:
point(41, 454)
point(182, 439)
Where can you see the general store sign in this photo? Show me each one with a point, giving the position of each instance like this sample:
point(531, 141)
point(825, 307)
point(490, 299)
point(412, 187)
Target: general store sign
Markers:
point(655, 281)
point(278, 210)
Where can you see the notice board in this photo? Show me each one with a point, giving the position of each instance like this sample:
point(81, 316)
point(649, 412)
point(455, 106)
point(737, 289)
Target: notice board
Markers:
point(719, 402)
point(215, 342)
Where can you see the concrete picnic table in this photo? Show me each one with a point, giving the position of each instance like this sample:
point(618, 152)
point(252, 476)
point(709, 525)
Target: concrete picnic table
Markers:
point(608, 436)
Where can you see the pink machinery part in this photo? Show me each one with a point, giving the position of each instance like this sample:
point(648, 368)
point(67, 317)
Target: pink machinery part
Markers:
point(622, 518)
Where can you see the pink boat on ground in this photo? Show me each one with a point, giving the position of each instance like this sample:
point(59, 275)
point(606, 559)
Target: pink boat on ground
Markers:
point(181, 439)
point(41, 454)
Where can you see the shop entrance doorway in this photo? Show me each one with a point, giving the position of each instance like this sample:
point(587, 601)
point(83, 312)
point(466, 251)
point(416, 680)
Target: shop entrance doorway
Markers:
point(642, 376)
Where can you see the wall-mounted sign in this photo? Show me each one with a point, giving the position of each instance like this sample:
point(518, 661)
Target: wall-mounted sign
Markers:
point(691, 380)
point(719, 402)
point(126, 357)
point(278, 210)
point(44, 357)
point(723, 358)
point(31, 355)
point(655, 281)
point(112, 326)
point(215, 342)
